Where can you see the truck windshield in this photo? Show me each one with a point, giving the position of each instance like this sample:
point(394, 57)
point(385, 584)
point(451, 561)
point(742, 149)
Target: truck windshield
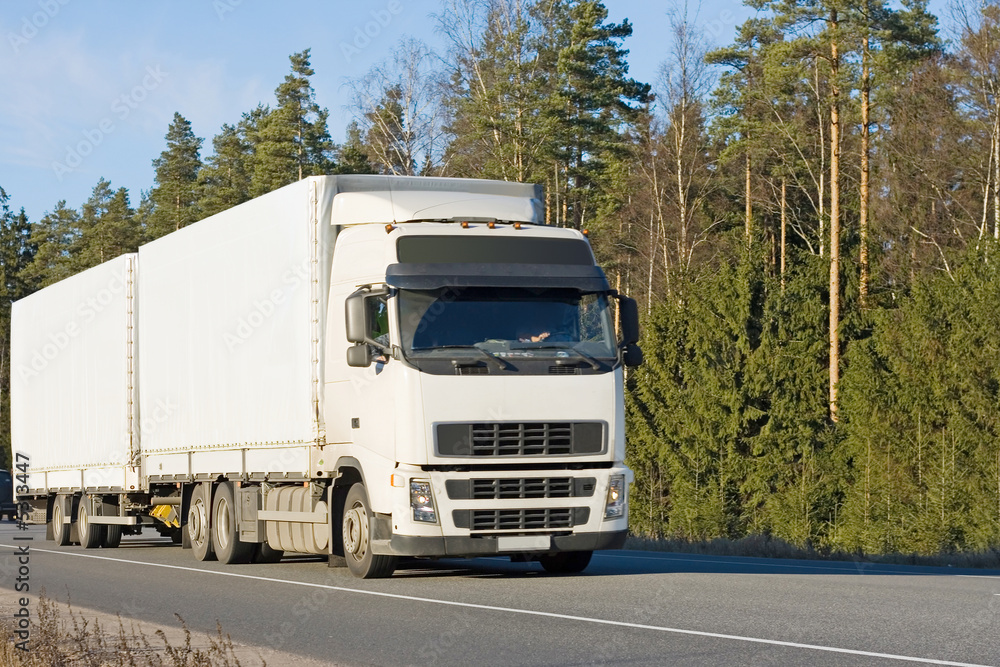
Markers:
point(506, 322)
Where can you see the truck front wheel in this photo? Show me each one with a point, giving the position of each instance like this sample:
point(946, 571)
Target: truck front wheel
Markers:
point(566, 562)
point(357, 539)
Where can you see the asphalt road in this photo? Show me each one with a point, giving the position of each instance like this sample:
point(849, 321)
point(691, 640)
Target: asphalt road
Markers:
point(628, 608)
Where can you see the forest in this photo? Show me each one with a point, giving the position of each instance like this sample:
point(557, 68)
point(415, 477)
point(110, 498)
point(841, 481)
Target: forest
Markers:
point(809, 218)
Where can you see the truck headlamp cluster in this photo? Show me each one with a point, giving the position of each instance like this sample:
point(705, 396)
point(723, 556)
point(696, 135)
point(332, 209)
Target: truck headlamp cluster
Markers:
point(422, 501)
point(615, 507)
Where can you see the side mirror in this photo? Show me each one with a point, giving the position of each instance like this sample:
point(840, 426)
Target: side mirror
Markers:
point(628, 310)
point(359, 356)
point(357, 317)
point(632, 355)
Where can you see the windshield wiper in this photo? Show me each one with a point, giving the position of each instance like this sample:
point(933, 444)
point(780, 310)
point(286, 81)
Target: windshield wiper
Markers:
point(500, 363)
point(594, 363)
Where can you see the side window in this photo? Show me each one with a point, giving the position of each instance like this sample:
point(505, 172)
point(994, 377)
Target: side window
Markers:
point(378, 316)
point(591, 319)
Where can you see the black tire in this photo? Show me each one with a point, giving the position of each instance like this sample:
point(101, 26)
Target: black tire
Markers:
point(198, 525)
point(91, 534)
point(112, 537)
point(60, 529)
point(566, 562)
point(357, 541)
point(265, 554)
point(225, 530)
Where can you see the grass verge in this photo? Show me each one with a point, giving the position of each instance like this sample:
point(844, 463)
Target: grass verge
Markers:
point(62, 637)
point(765, 546)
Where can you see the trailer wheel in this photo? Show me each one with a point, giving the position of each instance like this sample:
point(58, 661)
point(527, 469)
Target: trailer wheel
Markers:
point(357, 540)
point(91, 534)
point(225, 530)
point(112, 537)
point(566, 562)
point(265, 554)
point(197, 523)
point(60, 529)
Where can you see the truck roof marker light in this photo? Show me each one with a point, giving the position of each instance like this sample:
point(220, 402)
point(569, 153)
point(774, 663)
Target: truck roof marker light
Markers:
point(491, 224)
point(586, 233)
point(517, 225)
point(465, 224)
point(389, 228)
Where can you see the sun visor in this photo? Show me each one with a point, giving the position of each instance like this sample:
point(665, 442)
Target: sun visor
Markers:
point(586, 278)
point(352, 208)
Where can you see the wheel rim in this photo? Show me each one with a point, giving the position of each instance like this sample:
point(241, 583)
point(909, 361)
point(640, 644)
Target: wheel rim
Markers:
point(57, 519)
point(81, 519)
point(223, 529)
point(356, 531)
point(197, 521)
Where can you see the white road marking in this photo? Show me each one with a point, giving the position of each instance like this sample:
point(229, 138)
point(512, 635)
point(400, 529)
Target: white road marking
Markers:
point(526, 612)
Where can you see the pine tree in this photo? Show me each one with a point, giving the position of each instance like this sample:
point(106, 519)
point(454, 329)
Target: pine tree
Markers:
point(224, 181)
point(54, 236)
point(107, 227)
point(495, 91)
point(175, 195)
point(16, 254)
point(389, 142)
point(589, 102)
point(352, 155)
point(292, 140)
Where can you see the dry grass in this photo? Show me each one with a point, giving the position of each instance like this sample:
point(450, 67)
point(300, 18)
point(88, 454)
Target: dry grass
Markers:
point(765, 546)
point(61, 638)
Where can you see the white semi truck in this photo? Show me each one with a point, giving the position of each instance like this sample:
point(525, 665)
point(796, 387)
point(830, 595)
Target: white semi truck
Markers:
point(366, 367)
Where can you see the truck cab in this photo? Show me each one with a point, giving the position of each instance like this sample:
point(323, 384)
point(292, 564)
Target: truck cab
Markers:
point(474, 376)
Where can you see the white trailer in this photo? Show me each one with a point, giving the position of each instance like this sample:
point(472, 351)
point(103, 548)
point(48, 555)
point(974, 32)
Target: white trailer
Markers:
point(74, 408)
point(366, 367)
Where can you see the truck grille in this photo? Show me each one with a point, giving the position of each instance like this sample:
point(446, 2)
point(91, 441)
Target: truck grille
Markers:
point(519, 488)
point(521, 519)
point(559, 487)
point(508, 439)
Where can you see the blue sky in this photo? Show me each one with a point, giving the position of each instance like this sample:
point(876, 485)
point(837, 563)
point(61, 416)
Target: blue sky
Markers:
point(105, 77)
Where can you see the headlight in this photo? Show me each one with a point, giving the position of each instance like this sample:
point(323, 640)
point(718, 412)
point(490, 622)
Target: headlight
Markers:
point(615, 507)
point(422, 501)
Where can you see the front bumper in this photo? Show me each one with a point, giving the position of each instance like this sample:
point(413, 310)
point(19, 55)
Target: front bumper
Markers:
point(466, 546)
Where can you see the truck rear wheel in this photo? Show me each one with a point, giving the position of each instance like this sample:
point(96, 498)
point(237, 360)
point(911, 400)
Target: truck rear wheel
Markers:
point(60, 529)
point(265, 554)
point(112, 537)
point(566, 562)
point(198, 525)
point(91, 535)
point(226, 531)
point(357, 540)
